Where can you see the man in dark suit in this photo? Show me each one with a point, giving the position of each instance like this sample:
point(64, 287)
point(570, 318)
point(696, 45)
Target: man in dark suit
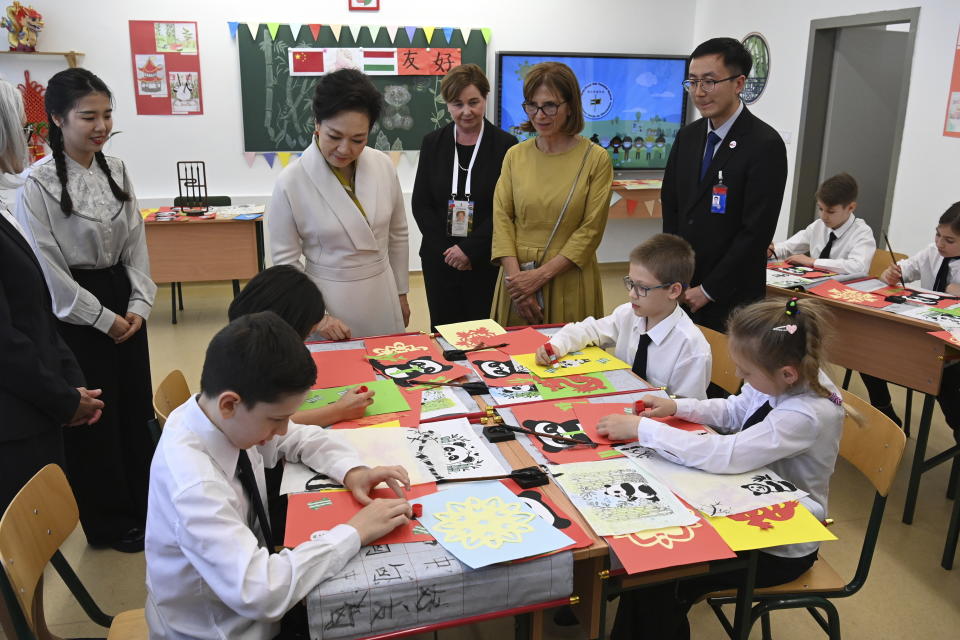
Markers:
point(723, 185)
point(41, 388)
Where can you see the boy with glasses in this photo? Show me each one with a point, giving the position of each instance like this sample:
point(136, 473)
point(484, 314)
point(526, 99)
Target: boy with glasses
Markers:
point(651, 330)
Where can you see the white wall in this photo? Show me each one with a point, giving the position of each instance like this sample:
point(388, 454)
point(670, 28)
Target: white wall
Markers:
point(151, 145)
point(929, 167)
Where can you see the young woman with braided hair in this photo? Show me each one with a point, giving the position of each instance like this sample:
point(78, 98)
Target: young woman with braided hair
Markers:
point(80, 213)
point(787, 417)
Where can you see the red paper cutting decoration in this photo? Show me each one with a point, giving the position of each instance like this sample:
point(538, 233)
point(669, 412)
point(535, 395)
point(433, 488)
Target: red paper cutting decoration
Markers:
point(579, 383)
point(477, 336)
point(758, 517)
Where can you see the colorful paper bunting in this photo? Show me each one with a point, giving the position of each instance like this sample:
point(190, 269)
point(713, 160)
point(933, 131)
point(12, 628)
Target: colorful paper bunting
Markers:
point(270, 156)
point(428, 31)
point(233, 29)
point(273, 27)
point(315, 30)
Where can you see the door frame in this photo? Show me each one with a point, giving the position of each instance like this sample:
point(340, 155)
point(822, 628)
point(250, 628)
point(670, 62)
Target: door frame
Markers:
point(813, 113)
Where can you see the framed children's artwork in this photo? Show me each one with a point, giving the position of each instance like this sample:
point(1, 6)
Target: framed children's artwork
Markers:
point(363, 5)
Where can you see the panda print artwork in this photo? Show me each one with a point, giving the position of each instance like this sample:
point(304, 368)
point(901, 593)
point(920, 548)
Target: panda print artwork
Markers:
point(617, 498)
point(451, 449)
point(715, 494)
point(544, 420)
point(497, 369)
point(410, 359)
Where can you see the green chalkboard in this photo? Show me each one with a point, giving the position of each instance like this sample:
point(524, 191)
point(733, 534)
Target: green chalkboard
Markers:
point(277, 114)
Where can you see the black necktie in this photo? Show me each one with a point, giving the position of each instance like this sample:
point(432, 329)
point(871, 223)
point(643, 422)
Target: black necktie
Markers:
point(943, 275)
point(825, 253)
point(712, 140)
point(757, 416)
point(249, 482)
point(640, 360)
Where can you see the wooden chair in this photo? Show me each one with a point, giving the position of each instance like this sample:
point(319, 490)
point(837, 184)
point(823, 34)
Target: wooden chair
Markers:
point(40, 518)
point(873, 444)
point(723, 372)
point(176, 288)
point(882, 260)
point(172, 392)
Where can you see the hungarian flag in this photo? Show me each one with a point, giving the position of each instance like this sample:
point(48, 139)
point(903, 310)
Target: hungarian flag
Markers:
point(306, 62)
point(380, 62)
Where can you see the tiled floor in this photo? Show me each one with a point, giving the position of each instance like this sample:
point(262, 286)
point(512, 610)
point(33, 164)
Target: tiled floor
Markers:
point(907, 595)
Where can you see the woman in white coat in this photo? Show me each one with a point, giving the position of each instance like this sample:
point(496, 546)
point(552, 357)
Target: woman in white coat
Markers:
point(339, 206)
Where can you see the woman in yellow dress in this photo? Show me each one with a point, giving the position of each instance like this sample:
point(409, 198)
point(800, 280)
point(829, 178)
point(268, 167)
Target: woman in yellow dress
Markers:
point(550, 209)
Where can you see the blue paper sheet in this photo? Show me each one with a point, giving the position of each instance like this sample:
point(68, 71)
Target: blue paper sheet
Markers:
point(483, 523)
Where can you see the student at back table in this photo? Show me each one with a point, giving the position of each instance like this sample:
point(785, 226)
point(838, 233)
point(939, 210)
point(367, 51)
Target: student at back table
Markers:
point(837, 240)
point(211, 570)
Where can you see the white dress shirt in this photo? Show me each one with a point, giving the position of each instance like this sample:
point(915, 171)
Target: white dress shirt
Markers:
point(799, 440)
point(101, 232)
point(207, 575)
point(852, 251)
point(678, 357)
point(923, 266)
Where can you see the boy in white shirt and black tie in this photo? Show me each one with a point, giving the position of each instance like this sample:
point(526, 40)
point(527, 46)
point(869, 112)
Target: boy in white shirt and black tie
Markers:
point(651, 331)
point(211, 566)
point(837, 240)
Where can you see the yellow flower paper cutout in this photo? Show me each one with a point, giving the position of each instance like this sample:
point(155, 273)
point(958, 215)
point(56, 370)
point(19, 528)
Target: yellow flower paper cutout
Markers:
point(490, 522)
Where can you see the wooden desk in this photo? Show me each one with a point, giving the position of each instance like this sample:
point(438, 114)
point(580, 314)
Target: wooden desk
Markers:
point(893, 348)
point(204, 250)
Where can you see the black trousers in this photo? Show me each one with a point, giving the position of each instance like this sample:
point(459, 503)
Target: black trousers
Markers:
point(949, 396)
point(108, 463)
point(660, 612)
point(21, 459)
point(457, 296)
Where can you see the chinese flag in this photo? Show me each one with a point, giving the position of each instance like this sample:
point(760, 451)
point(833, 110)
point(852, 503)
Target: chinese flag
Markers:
point(308, 61)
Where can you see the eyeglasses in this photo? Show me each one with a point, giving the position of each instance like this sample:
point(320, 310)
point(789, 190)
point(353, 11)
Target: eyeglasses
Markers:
point(707, 84)
point(548, 108)
point(641, 290)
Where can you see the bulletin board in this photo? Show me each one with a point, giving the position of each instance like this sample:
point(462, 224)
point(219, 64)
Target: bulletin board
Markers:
point(277, 112)
point(166, 67)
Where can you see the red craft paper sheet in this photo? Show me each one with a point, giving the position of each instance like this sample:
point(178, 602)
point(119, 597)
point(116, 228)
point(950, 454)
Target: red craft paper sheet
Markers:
point(563, 422)
point(520, 342)
point(547, 507)
point(669, 547)
point(590, 414)
point(943, 300)
point(790, 269)
point(680, 423)
point(947, 337)
point(302, 521)
point(481, 361)
point(390, 354)
point(340, 368)
point(835, 291)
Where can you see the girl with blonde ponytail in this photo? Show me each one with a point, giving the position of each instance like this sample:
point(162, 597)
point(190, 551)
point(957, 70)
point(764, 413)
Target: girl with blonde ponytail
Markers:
point(80, 214)
point(787, 417)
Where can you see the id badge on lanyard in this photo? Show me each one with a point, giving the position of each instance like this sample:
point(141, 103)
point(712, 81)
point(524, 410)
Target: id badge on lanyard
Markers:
point(718, 201)
point(460, 211)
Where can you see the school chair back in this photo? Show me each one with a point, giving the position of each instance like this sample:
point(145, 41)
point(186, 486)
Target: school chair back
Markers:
point(723, 372)
point(172, 392)
point(33, 528)
point(873, 444)
point(881, 260)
